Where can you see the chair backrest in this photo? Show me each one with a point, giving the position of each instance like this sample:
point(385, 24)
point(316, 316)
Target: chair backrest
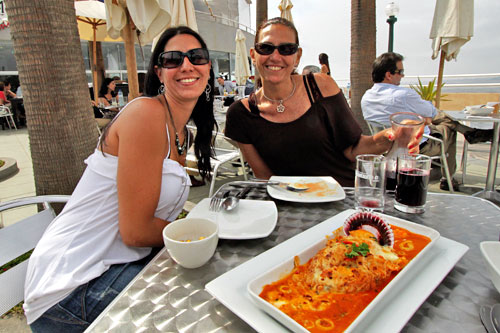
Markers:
point(16, 240)
point(375, 126)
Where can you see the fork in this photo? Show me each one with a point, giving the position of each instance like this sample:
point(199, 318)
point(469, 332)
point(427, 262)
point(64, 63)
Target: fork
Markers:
point(216, 201)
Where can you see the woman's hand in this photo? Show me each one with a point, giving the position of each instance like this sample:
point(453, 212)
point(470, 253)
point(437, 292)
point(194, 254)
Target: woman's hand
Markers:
point(407, 135)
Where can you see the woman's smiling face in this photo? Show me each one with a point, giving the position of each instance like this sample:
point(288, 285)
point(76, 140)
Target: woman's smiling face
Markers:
point(187, 81)
point(276, 67)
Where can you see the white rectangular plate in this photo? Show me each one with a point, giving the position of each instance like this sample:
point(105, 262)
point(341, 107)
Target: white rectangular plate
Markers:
point(337, 192)
point(399, 304)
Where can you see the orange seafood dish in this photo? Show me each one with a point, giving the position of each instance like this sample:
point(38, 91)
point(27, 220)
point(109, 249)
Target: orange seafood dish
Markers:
point(329, 291)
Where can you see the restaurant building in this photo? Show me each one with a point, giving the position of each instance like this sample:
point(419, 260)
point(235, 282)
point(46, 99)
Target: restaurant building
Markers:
point(217, 23)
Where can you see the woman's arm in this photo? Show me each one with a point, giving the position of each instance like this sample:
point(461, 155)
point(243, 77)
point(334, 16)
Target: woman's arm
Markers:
point(259, 167)
point(142, 146)
point(380, 143)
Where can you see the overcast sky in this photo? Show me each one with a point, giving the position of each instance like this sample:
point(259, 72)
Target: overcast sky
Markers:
point(325, 25)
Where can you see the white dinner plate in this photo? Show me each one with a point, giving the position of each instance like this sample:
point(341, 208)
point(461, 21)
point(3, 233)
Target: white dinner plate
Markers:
point(390, 315)
point(251, 219)
point(329, 189)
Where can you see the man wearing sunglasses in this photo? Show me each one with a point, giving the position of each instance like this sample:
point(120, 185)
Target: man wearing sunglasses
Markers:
point(387, 97)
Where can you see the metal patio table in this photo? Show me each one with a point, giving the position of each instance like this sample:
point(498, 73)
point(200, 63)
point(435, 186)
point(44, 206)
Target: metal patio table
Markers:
point(489, 190)
point(166, 297)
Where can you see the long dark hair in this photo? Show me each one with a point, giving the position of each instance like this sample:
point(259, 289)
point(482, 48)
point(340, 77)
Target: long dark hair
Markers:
point(104, 87)
point(203, 112)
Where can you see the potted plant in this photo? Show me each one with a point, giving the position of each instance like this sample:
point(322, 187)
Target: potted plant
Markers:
point(427, 92)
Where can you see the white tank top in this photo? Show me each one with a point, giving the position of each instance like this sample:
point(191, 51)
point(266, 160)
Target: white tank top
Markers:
point(84, 239)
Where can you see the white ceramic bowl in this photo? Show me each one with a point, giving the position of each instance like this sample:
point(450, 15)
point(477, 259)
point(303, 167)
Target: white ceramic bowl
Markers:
point(491, 255)
point(183, 243)
point(478, 110)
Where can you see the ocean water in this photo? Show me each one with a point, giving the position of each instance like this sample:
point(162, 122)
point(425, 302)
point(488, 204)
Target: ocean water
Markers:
point(448, 81)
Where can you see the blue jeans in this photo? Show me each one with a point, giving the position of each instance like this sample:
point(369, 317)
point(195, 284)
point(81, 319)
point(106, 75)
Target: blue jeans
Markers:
point(80, 308)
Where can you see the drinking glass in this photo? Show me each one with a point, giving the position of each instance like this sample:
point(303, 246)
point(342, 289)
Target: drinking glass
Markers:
point(369, 183)
point(412, 182)
point(113, 101)
point(405, 126)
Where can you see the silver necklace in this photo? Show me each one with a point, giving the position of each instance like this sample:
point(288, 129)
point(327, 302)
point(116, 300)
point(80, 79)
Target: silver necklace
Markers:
point(280, 108)
point(180, 149)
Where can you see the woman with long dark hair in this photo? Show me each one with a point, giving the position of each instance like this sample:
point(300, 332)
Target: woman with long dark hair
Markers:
point(134, 185)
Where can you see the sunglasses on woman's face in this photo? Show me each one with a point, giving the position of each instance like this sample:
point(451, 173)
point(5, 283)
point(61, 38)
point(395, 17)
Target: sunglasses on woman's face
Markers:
point(285, 49)
point(174, 59)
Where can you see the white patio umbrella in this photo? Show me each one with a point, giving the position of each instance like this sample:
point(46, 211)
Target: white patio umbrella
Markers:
point(285, 8)
point(242, 68)
point(91, 19)
point(182, 13)
point(452, 27)
point(147, 17)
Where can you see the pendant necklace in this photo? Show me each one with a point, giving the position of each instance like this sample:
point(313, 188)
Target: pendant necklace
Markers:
point(280, 108)
point(180, 149)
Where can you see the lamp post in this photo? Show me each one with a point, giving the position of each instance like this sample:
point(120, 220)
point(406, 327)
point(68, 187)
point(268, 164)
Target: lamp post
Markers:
point(391, 10)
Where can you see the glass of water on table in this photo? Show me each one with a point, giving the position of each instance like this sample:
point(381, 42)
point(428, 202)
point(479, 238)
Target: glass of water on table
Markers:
point(369, 183)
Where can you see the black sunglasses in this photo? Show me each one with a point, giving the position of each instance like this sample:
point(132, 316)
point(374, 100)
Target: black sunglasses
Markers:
point(285, 49)
point(173, 59)
point(399, 71)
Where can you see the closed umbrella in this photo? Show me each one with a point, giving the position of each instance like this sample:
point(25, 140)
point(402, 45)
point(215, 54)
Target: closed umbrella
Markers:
point(285, 8)
point(242, 69)
point(452, 27)
point(182, 13)
point(147, 17)
point(91, 19)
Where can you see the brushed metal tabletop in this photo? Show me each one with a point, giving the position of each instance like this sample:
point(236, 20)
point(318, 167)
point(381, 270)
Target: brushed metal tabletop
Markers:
point(165, 297)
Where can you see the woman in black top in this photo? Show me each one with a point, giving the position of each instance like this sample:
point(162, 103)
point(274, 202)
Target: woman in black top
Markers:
point(295, 125)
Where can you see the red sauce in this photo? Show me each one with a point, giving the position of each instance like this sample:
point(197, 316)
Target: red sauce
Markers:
point(334, 312)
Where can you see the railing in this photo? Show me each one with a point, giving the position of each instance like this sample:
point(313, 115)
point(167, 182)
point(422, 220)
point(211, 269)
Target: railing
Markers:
point(226, 21)
point(344, 82)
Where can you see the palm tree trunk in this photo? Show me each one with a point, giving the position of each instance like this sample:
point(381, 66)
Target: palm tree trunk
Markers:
point(363, 53)
point(261, 12)
point(61, 124)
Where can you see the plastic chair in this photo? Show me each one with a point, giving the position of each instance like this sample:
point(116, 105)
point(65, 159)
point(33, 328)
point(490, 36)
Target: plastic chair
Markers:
point(223, 154)
point(439, 161)
point(18, 239)
point(5, 113)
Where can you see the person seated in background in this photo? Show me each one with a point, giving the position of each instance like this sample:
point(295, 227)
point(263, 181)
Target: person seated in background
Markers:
point(387, 97)
point(3, 98)
point(298, 125)
point(9, 94)
point(223, 85)
point(249, 85)
point(141, 78)
point(107, 92)
point(310, 69)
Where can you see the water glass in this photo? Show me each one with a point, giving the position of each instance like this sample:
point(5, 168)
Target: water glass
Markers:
point(369, 183)
point(412, 181)
point(113, 101)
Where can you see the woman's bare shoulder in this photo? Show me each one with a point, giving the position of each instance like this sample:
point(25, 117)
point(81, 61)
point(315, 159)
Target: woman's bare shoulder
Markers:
point(326, 84)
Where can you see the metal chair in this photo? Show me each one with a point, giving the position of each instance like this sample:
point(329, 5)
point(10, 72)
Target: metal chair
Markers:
point(19, 238)
point(6, 113)
point(223, 154)
point(439, 161)
point(465, 151)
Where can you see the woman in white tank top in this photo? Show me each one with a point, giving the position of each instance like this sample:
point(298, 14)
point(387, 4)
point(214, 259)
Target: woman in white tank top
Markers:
point(134, 185)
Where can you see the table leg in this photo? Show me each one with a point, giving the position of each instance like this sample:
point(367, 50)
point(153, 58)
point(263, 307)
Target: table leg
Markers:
point(489, 190)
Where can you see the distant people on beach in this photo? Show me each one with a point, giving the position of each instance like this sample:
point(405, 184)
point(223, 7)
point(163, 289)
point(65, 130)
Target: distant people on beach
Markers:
point(310, 69)
point(387, 97)
point(325, 64)
point(294, 124)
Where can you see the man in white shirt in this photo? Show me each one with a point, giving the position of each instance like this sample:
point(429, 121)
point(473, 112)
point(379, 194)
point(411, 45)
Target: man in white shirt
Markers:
point(221, 85)
point(387, 97)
